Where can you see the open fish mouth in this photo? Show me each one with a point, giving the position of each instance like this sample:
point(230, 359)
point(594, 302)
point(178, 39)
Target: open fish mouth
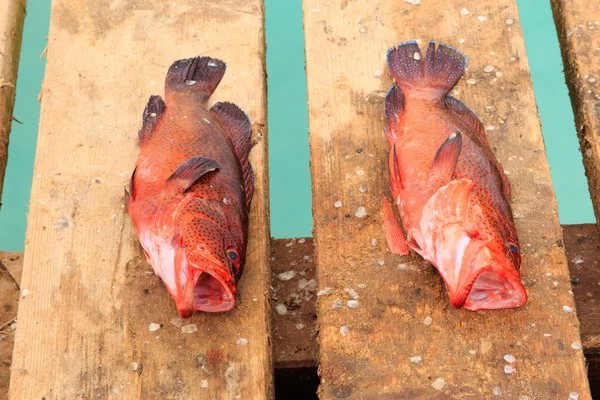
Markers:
point(212, 295)
point(492, 290)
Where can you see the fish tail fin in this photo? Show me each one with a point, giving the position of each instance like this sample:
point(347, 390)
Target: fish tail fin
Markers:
point(200, 74)
point(439, 70)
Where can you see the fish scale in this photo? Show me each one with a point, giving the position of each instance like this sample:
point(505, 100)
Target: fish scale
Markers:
point(452, 193)
point(192, 159)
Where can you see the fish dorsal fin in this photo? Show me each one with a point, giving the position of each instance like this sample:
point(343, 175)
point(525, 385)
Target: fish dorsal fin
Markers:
point(191, 170)
point(446, 158)
point(237, 125)
point(152, 115)
point(394, 108)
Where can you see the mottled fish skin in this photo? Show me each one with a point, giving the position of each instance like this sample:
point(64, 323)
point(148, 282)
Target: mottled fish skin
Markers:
point(450, 190)
point(191, 189)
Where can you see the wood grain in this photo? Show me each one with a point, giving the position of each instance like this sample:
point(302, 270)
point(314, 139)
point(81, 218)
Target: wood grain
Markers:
point(12, 15)
point(91, 296)
point(578, 26)
point(366, 352)
point(10, 275)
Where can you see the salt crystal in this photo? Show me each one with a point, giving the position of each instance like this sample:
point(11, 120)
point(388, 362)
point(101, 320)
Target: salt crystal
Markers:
point(489, 128)
point(299, 326)
point(24, 293)
point(555, 283)
point(588, 152)
point(499, 75)
point(417, 56)
point(464, 12)
point(204, 383)
point(344, 330)
point(496, 391)
point(373, 242)
point(578, 260)
point(325, 291)
point(509, 21)
point(352, 295)
point(508, 369)
point(287, 275)
point(281, 309)
point(362, 189)
point(461, 40)
point(352, 303)
point(402, 267)
point(481, 18)
point(153, 115)
point(438, 384)
point(428, 321)
point(547, 334)
point(380, 262)
point(153, 327)
point(2, 337)
point(337, 304)
point(567, 309)
point(301, 241)
point(226, 201)
point(523, 397)
point(576, 345)
point(471, 81)
point(512, 59)
point(337, 204)
point(360, 172)
point(362, 285)
point(573, 396)
point(191, 328)
point(133, 366)
point(591, 79)
point(415, 359)
point(488, 68)
point(178, 322)
point(473, 352)
point(361, 212)
point(509, 358)
point(12, 326)
point(242, 342)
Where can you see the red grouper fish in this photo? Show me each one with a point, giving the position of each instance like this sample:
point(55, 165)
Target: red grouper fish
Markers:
point(450, 190)
point(191, 189)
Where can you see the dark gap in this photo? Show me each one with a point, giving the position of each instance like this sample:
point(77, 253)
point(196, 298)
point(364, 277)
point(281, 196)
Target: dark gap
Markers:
point(296, 383)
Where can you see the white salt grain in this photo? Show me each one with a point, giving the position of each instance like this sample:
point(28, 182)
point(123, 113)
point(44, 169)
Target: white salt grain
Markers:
point(464, 12)
point(178, 322)
point(509, 21)
point(299, 326)
point(402, 267)
point(153, 327)
point(242, 342)
point(567, 309)
point(482, 18)
point(489, 128)
point(578, 260)
point(281, 309)
point(287, 275)
point(416, 359)
point(573, 396)
point(301, 241)
point(496, 391)
point(373, 242)
point(362, 285)
point(337, 305)
point(576, 345)
point(362, 189)
point(133, 366)
point(352, 295)
point(417, 56)
point(191, 328)
point(352, 303)
point(360, 172)
point(488, 68)
point(438, 384)
point(508, 369)
point(461, 40)
point(473, 352)
point(509, 358)
point(547, 334)
point(204, 383)
point(24, 293)
point(428, 321)
point(361, 212)
point(325, 291)
point(471, 81)
point(381, 262)
point(344, 330)
point(591, 79)
point(337, 204)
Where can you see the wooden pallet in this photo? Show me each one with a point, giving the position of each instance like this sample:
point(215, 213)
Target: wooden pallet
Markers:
point(83, 326)
point(404, 311)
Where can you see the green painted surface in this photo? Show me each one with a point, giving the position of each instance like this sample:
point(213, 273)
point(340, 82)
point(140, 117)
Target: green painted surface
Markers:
point(288, 140)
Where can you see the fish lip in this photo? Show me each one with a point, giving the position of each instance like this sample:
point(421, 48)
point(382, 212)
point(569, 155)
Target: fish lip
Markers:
point(187, 302)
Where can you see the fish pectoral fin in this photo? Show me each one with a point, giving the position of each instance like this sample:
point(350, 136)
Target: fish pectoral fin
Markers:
point(446, 158)
point(394, 108)
point(152, 114)
point(393, 233)
point(237, 125)
point(191, 170)
point(395, 177)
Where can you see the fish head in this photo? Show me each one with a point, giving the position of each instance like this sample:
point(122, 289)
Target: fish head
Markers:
point(200, 261)
point(475, 248)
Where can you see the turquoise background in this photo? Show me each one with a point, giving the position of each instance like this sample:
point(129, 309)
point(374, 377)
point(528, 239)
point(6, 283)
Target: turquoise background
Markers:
point(288, 140)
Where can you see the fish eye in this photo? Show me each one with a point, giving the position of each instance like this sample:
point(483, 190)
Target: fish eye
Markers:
point(513, 248)
point(233, 255)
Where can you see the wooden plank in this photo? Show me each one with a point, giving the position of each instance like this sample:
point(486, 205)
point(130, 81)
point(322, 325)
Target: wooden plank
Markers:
point(293, 303)
point(11, 266)
point(91, 299)
point(578, 25)
point(461, 352)
point(582, 243)
point(12, 15)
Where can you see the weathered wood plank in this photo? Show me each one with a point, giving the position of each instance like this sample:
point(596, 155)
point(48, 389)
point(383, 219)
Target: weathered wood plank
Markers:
point(11, 266)
point(578, 27)
point(91, 299)
point(293, 303)
point(12, 15)
point(462, 352)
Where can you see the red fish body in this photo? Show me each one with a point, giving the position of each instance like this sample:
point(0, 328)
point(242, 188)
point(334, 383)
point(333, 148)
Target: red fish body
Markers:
point(191, 189)
point(450, 190)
